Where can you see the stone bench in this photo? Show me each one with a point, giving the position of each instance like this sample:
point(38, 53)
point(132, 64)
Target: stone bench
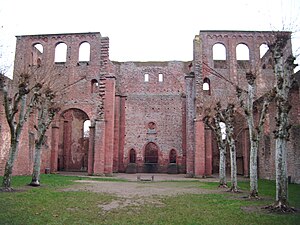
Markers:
point(139, 178)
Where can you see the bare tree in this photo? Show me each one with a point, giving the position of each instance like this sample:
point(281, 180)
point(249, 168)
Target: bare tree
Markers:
point(284, 66)
point(213, 119)
point(18, 103)
point(246, 99)
point(229, 121)
point(46, 109)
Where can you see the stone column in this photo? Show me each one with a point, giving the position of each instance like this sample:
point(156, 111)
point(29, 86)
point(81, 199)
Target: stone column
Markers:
point(54, 148)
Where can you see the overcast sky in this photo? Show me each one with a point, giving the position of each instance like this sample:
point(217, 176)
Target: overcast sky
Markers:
point(140, 30)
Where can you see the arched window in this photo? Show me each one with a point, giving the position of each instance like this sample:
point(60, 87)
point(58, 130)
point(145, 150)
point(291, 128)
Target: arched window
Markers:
point(39, 48)
point(84, 52)
point(173, 156)
point(242, 52)
point(263, 48)
point(86, 128)
point(37, 51)
point(206, 84)
point(219, 52)
point(61, 53)
point(146, 77)
point(132, 156)
point(94, 85)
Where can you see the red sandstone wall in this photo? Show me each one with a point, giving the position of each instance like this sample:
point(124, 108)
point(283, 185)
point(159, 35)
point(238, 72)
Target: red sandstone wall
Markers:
point(153, 101)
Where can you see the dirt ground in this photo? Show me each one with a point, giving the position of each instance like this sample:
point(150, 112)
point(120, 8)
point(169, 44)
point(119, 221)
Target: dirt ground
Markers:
point(135, 193)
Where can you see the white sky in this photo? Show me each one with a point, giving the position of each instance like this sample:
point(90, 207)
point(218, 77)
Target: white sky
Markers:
point(140, 30)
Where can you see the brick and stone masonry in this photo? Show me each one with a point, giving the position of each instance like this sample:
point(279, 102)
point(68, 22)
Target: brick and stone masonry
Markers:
point(146, 116)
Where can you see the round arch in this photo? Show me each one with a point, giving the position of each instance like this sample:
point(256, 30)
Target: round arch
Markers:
point(73, 144)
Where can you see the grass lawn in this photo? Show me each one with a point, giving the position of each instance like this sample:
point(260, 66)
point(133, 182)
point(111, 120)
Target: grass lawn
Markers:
point(48, 204)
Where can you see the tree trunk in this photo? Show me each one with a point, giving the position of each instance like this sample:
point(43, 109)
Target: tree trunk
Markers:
point(6, 183)
point(222, 166)
point(253, 168)
point(281, 172)
point(35, 181)
point(232, 148)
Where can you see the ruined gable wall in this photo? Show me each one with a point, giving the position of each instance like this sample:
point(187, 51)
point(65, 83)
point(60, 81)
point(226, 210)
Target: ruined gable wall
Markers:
point(153, 101)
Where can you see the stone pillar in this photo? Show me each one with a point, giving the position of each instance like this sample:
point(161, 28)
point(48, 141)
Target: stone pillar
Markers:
point(54, 148)
point(67, 136)
point(182, 163)
point(109, 115)
point(91, 151)
point(190, 129)
point(246, 153)
point(116, 134)
point(199, 148)
point(208, 151)
point(122, 134)
point(99, 147)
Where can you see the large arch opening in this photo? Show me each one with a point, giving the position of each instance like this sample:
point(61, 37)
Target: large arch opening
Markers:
point(74, 141)
point(151, 158)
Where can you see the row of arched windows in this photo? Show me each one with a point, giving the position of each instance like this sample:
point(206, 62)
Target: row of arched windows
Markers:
point(151, 156)
point(60, 55)
point(242, 51)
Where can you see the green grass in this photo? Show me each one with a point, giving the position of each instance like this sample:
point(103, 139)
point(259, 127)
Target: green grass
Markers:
point(50, 205)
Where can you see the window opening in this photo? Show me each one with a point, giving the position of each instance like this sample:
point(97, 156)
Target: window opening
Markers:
point(61, 53)
point(84, 52)
point(263, 48)
point(86, 128)
point(206, 84)
point(160, 77)
point(242, 52)
point(146, 77)
point(219, 52)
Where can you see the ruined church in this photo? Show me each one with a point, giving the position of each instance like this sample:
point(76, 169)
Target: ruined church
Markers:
point(147, 117)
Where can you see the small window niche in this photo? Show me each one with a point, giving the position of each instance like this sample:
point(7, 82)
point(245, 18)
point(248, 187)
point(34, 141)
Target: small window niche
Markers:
point(132, 156)
point(160, 77)
point(173, 156)
point(146, 77)
point(206, 85)
point(151, 128)
point(94, 86)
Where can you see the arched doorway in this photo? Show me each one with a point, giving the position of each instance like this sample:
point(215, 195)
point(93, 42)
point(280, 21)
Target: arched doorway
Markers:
point(151, 158)
point(74, 141)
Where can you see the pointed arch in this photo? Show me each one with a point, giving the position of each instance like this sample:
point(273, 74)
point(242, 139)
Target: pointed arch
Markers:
point(132, 156)
point(173, 156)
